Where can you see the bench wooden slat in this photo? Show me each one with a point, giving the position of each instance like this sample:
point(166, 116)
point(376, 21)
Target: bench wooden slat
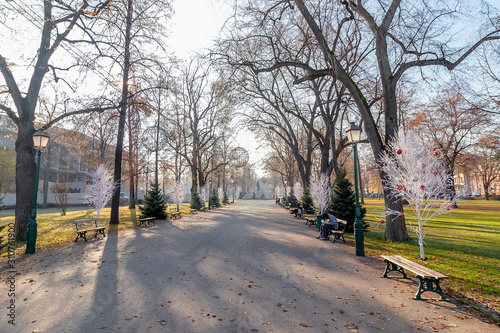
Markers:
point(83, 233)
point(83, 221)
point(147, 220)
point(414, 268)
point(428, 278)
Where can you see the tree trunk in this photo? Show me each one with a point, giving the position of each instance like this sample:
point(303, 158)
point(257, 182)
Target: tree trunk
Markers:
point(25, 177)
point(115, 201)
point(486, 191)
point(395, 228)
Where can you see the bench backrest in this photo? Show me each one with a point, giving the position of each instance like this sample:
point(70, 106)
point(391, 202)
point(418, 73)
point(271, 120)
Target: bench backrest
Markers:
point(85, 221)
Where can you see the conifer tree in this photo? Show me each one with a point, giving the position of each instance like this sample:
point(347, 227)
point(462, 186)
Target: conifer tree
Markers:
point(214, 198)
point(343, 202)
point(154, 203)
point(307, 201)
point(292, 200)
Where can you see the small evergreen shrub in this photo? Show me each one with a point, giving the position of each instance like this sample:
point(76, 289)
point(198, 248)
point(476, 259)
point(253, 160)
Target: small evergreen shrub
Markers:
point(154, 203)
point(343, 202)
point(307, 202)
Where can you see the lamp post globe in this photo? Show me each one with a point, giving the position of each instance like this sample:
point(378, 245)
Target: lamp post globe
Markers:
point(353, 135)
point(40, 141)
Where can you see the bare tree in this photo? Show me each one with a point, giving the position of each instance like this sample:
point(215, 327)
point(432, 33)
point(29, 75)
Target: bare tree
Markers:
point(452, 124)
point(205, 101)
point(57, 22)
point(405, 36)
point(486, 161)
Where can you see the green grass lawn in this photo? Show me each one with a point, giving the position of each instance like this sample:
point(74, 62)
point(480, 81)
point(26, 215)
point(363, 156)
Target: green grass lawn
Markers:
point(465, 245)
point(54, 229)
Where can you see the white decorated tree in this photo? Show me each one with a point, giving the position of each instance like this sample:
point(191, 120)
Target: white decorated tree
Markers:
point(220, 194)
point(176, 194)
point(321, 191)
point(298, 190)
point(417, 175)
point(99, 190)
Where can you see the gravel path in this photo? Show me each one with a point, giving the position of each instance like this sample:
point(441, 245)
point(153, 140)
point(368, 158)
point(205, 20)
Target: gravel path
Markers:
point(248, 267)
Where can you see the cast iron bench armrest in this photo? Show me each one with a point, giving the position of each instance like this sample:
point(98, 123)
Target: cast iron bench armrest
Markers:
point(428, 279)
point(339, 233)
point(310, 221)
point(147, 220)
point(174, 213)
point(83, 233)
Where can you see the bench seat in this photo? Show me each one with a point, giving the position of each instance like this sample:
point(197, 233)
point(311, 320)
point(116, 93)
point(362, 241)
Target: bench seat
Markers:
point(147, 220)
point(339, 233)
point(82, 233)
point(175, 213)
point(428, 279)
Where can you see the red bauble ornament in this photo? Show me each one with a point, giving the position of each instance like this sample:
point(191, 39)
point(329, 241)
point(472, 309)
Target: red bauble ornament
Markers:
point(404, 188)
point(87, 181)
point(382, 221)
point(435, 172)
point(399, 152)
point(422, 187)
point(98, 178)
point(423, 165)
point(436, 153)
point(400, 215)
point(400, 180)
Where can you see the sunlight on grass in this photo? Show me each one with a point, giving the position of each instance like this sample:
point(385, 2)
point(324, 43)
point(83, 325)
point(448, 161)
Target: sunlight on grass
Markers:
point(463, 244)
point(54, 229)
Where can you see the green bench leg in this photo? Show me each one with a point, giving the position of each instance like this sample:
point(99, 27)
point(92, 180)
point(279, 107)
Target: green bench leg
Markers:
point(428, 285)
point(390, 267)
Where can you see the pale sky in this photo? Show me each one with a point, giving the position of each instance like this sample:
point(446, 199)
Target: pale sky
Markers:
point(194, 26)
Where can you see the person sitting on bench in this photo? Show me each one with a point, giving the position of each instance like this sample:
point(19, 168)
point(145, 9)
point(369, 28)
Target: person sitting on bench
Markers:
point(331, 223)
point(298, 211)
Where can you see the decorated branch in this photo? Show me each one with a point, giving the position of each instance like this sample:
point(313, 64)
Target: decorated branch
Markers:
point(321, 191)
point(177, 194)
point(100, 188)
point(417, 175)
point(298, 190)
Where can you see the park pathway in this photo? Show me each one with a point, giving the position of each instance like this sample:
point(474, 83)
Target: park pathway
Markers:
point(247, 267)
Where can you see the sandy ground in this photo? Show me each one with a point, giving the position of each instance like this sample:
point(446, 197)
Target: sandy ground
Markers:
point(248, 267)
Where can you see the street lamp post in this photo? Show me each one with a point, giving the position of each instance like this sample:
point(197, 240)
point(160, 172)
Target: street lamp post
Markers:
point(353, 135)
point(40, 140)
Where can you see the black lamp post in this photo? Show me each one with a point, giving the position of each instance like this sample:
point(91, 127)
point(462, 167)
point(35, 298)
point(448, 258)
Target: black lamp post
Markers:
point(353, 135)
point(286, 195)
point(40, 140)
point(232, 183)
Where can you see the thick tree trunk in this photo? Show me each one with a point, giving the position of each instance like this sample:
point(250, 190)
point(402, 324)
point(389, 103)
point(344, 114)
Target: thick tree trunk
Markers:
point(115, 201)
point(486, 192)
point(25, 177)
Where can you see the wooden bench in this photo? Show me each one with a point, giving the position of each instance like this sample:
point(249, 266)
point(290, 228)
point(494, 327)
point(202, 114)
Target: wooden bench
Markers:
point(339, 233)
point(429, 279)
point(82, 233)
point(310, 221)
point(147, 220)
point(175, 213)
